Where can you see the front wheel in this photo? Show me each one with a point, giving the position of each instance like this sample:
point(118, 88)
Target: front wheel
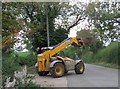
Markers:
point(79, 68)
point(58, 70)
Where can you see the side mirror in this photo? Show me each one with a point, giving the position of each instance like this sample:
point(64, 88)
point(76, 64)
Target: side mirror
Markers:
point(37, 49)
point(76, 57)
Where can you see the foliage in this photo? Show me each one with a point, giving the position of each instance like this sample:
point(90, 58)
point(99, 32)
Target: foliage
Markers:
point(30, 17)
point(37, 24)
point(71, 14)
point(88, 57)
point(13, 61)
point(90, 39)
point(9, 65)
point(106, 55)
point(10, 26)
point(87, 36)
point(70, 52)
point(109, 54)
point(26, 58)
point(105, 18)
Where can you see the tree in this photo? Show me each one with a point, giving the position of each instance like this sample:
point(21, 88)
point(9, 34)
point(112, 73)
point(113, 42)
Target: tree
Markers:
point(71, 15)
point(105, 17)
point(10, 26)
point(90, 39)
point(30, 18)
point(36, 13)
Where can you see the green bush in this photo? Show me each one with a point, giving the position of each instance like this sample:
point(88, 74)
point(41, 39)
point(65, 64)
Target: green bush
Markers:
point(26, 58)
point(9, 65)
point(88, 57)
point(109, 54)
point(70, 52)
point(12, 62)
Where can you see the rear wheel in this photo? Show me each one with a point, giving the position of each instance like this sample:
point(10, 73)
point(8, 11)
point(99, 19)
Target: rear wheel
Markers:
point(66, 72)
point(58, 70)
point(79, 68)
point(43, 73)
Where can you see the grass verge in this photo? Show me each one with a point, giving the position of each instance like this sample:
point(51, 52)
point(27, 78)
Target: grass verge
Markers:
point(108, 65)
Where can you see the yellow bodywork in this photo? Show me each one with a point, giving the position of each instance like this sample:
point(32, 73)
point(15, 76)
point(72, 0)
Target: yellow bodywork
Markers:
point(44, 58)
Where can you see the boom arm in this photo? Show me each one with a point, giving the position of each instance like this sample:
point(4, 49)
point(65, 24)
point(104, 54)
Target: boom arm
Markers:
point(61, 46)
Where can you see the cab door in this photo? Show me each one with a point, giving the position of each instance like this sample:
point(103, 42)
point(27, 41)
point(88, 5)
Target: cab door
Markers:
point(70, 64)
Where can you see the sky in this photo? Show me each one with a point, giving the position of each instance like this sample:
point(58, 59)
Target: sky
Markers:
point(81, 25)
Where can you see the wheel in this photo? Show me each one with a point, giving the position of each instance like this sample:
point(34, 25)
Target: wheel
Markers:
point(66, 72)
point(58, 70)
point(79, 68)
point(43, 73)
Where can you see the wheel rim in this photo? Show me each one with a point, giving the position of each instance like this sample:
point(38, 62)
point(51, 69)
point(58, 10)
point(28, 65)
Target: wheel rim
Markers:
point(81, 68)
point(58, 70)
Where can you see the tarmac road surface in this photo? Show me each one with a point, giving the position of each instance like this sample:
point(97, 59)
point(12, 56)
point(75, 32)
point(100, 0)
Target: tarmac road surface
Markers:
point(94, 76)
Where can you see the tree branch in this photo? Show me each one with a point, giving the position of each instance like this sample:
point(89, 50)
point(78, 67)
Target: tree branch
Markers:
point(75, 23)
point(117, 21)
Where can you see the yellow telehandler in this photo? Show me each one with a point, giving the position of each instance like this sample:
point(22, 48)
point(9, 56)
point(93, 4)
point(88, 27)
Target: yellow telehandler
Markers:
point(57, 65)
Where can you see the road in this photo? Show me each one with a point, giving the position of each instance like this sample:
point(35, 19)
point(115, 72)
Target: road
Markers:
point(94, 76)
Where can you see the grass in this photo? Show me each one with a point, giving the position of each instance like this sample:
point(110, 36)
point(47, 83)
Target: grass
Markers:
point(108, 65)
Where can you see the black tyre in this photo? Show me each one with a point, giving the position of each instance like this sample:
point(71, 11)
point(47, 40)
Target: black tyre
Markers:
point(43, 73)
point(66, 72)
point(79, 68)
point(58, 70)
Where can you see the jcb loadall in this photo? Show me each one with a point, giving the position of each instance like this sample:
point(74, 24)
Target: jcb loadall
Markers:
point(57, 65)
